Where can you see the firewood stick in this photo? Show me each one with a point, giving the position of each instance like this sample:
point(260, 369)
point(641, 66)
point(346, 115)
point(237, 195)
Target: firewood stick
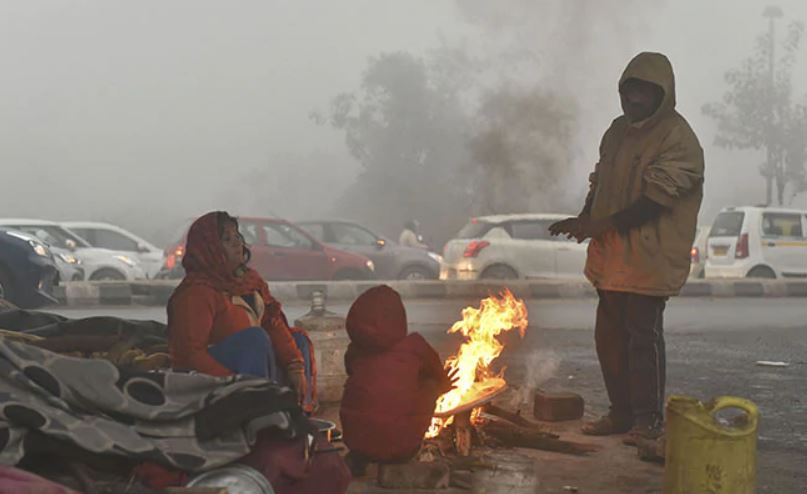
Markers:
point(521, 437)
point(463, 433)
point(511, 417)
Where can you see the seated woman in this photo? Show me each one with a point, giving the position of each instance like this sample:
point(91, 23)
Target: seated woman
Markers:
point(222, 320)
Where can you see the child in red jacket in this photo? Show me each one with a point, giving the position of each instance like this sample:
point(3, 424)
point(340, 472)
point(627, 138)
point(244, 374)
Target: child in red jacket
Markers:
point(394, 380)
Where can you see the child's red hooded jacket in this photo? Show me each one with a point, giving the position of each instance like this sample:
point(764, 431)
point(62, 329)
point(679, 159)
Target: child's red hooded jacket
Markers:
point(386, 408)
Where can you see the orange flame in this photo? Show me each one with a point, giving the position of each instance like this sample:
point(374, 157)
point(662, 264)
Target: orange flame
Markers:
point(480, 327)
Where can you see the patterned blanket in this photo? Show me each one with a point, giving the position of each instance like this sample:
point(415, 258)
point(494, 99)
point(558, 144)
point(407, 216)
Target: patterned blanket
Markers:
point(192, 422)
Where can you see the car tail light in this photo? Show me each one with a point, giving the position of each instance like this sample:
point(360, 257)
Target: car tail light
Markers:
point(742, 247)
point(696, 255)
point(170, 262)
point(475, 247)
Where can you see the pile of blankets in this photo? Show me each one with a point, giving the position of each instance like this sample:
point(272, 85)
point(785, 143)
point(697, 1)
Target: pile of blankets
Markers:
point(187, 421)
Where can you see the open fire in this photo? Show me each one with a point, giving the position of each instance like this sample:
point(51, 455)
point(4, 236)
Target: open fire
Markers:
point(475, 379)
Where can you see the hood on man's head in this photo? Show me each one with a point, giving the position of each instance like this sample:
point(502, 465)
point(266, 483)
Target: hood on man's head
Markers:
point(654, 68)
point(377, 319)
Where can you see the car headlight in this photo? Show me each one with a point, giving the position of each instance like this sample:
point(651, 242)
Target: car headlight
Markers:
point(39, 249)
point(437, 257)
point(126, 260)
point(370, 265)
point(69, 258)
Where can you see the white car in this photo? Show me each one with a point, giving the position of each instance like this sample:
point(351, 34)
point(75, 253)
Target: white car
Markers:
point(510, 247)
point(758, 242)
point(106, 236)
point(698, 253)
point(98, 264)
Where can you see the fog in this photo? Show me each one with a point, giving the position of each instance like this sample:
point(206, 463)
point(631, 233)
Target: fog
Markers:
point(146, 113)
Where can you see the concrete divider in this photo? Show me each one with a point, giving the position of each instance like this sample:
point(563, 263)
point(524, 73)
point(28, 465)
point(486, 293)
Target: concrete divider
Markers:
point(158, 292)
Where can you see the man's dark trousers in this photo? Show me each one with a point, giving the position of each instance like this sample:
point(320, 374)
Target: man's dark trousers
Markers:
point(630, 345)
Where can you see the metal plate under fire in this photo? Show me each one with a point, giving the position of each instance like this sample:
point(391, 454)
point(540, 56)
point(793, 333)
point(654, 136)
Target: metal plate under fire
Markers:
point(480, 394)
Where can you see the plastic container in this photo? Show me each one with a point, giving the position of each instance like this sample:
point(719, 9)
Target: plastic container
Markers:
point(706, 453)
point(237, 479)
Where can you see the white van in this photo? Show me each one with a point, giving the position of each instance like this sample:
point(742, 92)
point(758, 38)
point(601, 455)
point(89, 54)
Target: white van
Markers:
point(757, 242)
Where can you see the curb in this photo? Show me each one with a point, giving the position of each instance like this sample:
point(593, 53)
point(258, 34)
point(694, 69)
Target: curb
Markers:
point(157, 293)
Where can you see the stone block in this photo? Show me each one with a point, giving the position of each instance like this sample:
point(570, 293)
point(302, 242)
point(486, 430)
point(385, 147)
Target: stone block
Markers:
point(557, 407)
point(748, 289)
point(114, 294)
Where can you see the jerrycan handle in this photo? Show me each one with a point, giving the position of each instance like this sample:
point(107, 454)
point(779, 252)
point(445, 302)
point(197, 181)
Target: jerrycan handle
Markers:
point(751, 410)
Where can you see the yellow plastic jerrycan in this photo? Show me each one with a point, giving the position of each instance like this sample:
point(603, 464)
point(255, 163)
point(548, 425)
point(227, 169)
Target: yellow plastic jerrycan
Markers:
point(707, 456)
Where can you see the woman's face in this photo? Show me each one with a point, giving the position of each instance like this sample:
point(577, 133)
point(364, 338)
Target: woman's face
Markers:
point(233, 245)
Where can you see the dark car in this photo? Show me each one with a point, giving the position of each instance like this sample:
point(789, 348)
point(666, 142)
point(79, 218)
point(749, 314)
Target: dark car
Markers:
point(392, 261)
point(283, 252)
point(27, 270)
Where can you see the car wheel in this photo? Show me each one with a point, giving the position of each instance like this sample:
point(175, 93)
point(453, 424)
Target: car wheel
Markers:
point(6, 285)
point(107, 275)
point(499, 272)
point(763, 272)
point(415, 273)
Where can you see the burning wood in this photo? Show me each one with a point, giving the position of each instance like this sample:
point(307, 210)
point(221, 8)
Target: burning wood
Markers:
point(476, 383)
point(460, 410)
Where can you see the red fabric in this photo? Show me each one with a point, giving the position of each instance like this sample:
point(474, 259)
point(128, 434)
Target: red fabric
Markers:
point(201, 311)
point(283, 463)
point(16, 481)
point(205, 262)
point(157, 476)
point(386, 407)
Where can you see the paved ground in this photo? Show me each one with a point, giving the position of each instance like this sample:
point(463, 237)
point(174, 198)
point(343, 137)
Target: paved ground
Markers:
point(713, 345)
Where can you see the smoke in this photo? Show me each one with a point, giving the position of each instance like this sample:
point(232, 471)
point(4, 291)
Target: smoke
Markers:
point(522, 151)
point(545, 118)
point(539, 367)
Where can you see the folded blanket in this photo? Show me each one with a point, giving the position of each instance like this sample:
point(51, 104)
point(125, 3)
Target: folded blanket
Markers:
point(191, 422)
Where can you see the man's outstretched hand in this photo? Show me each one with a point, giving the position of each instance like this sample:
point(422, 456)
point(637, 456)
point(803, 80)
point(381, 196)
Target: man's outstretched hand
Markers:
point(568, 227)
point(581, 228)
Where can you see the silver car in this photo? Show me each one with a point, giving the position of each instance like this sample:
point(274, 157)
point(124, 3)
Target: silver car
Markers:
point(392, 261)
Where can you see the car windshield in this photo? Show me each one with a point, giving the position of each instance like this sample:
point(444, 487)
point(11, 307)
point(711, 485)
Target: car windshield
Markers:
point(475, 229)
point(54, 235)
point(728, 224)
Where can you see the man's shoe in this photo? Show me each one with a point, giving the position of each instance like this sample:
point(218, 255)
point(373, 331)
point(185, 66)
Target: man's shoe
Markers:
point(607, 425)
point(644, 433)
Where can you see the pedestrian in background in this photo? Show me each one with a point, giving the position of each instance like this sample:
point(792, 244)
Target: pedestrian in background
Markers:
point(409, 236)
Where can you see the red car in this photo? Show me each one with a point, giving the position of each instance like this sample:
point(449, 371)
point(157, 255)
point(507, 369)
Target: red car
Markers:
point(281, 251)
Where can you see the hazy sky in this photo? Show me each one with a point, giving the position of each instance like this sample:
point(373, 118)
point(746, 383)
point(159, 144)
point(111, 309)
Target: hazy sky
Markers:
point(142, 112)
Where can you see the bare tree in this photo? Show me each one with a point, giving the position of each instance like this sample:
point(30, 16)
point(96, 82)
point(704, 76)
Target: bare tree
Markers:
point(757, 111)
point(407, 128)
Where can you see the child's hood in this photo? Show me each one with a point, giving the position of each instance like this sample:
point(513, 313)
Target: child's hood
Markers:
point(377, 319)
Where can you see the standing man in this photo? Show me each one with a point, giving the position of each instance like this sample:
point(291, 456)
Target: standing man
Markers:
point(641, 214)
